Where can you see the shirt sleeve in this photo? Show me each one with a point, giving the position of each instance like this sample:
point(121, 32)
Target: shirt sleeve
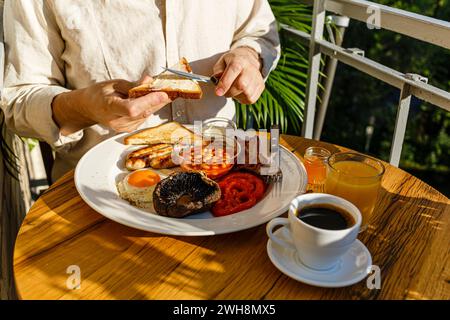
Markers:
point(257, 29)
point(34, 71)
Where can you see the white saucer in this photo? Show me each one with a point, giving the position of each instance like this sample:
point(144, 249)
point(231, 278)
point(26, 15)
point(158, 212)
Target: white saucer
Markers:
point(352, 267)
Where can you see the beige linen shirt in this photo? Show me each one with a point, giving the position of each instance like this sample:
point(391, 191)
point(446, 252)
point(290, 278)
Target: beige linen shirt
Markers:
point(53, 46)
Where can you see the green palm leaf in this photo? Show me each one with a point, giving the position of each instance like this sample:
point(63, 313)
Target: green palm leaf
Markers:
point(282, 102)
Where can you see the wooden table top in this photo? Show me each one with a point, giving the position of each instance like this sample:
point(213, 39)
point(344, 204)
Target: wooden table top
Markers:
point(408, 237)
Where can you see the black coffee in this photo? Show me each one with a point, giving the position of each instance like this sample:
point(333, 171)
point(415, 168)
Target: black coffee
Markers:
point(326, 217)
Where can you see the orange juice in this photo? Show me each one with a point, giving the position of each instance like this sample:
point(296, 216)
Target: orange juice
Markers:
point(357, 182)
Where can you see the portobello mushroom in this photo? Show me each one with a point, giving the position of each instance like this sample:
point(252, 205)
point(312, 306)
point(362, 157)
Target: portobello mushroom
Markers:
point(184, 193)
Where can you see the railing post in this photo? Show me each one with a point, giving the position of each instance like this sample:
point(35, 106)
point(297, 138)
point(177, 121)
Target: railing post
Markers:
point(402, 119)
point(341, 24)
point(400, 125)
point(318, 22)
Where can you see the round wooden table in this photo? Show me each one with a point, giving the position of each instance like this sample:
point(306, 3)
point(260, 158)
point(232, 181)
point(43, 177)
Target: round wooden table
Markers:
point(408, 238)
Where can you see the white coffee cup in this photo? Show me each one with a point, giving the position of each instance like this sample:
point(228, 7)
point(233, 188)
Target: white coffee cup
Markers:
point(317, 248)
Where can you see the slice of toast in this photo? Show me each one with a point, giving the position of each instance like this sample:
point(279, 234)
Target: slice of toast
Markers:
point(175, 86)
point(169, 132)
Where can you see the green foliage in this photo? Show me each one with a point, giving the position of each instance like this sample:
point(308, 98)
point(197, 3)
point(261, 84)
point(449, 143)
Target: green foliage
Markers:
point(292, 13)
point(31, 143)
point(356, 97)
point(358, 100)
point(282, 102)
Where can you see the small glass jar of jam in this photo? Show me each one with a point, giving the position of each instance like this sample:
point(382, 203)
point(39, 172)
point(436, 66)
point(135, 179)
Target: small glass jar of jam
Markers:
point(315, 161)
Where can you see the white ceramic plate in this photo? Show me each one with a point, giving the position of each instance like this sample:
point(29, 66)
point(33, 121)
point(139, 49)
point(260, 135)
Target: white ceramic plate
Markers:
point(99, 169)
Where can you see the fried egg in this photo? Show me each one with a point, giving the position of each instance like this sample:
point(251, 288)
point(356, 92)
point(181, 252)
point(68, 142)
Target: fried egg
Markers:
point(137, 187)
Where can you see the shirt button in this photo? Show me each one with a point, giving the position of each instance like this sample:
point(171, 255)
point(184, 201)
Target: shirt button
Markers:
point(179, 113)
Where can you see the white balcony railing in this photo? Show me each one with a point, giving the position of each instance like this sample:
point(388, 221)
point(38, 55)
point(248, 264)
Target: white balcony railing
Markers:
point(417, 26)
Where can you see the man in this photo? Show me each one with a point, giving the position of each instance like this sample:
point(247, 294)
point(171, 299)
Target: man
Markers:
point(69, 64)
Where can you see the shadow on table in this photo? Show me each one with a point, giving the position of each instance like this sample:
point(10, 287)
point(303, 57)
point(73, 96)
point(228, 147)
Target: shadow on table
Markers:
point(125, 263)
point(399, 238)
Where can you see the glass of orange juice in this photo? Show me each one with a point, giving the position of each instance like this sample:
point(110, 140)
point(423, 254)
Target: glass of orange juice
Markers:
point(315, 161)
point(356, 178)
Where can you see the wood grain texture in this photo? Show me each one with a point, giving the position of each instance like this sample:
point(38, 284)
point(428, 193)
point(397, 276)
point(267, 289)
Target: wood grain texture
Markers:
point(408, 237)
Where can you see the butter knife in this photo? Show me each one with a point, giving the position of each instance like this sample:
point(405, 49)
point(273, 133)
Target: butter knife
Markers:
point(193, 76)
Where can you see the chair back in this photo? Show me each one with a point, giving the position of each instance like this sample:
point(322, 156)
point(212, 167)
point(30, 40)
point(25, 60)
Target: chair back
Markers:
point(2, 47)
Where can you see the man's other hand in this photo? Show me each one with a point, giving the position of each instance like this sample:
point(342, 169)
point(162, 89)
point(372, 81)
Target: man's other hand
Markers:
point(241, 76)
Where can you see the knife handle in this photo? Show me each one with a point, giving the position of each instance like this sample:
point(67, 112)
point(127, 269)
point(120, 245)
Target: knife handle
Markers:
point(215, 79)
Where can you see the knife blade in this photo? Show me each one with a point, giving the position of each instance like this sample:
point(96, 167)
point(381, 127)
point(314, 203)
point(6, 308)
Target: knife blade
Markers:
point(193, 76)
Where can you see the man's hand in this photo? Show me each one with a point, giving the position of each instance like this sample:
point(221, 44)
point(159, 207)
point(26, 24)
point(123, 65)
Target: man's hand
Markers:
point(105, 103)
point(241, 76)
